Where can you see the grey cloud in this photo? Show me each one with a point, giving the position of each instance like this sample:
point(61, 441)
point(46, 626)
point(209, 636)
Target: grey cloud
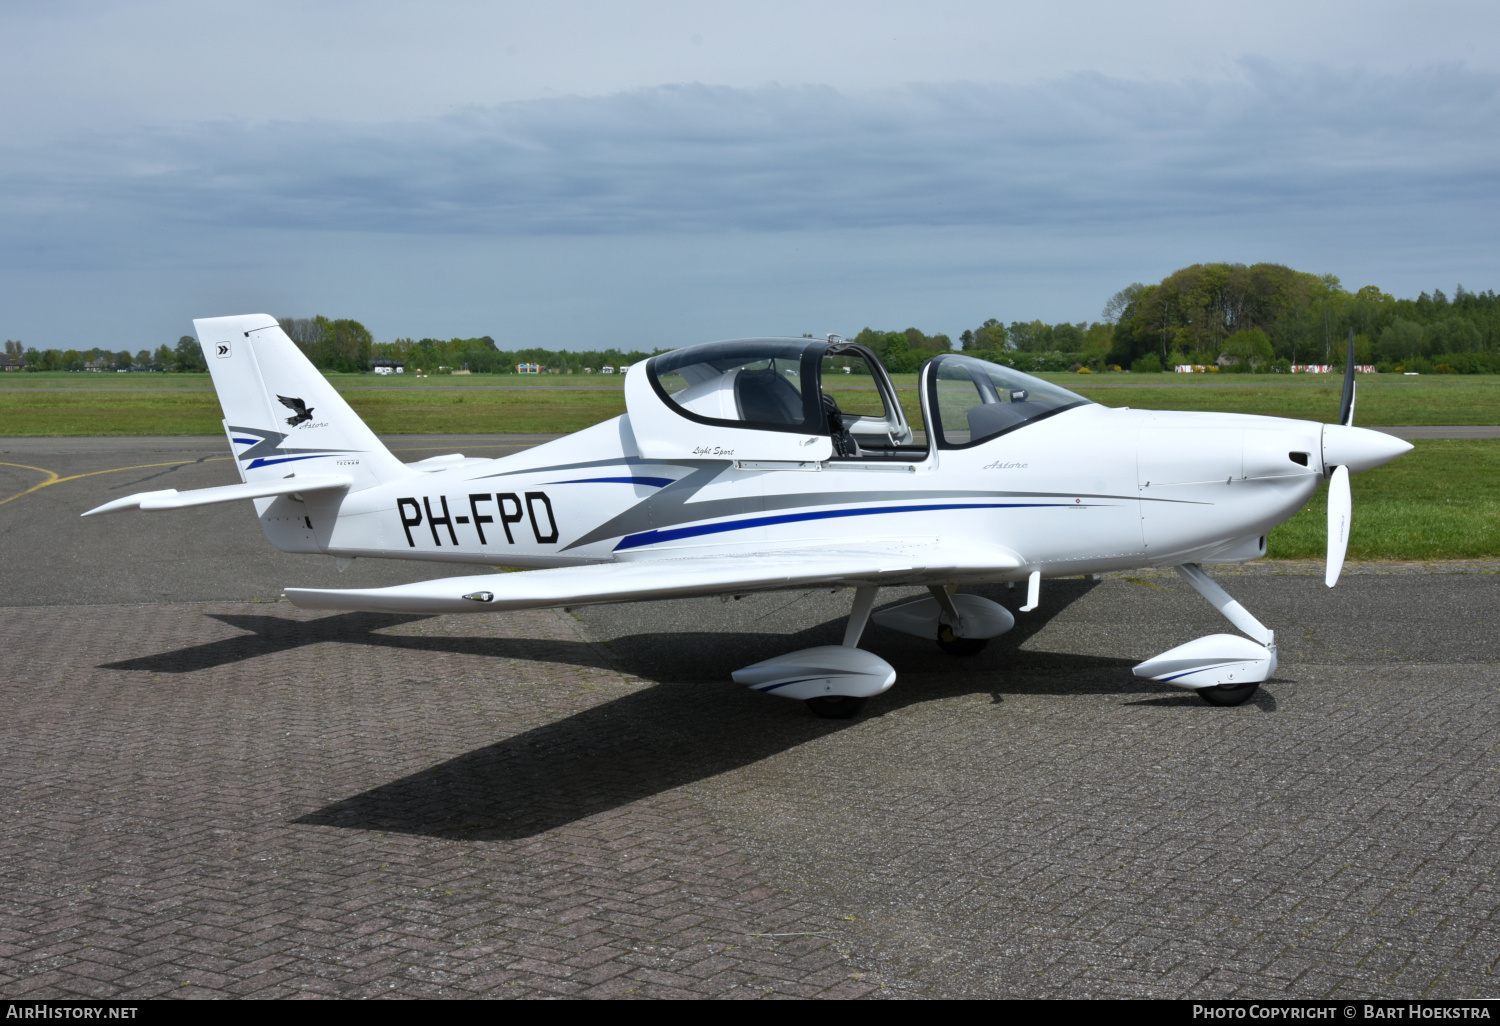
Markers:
point(1084, 150)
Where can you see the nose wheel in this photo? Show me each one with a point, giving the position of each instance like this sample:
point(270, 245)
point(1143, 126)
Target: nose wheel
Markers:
point(835, 707)
point(954, 645)
point(1229, 694)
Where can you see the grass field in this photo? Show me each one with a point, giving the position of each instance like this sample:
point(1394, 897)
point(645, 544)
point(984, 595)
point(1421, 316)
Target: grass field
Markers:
point(392, 411)
point(1440, 501)
point(97, 405)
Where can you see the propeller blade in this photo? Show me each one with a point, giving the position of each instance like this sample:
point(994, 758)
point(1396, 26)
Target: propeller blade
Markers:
point(1340, 512)
point(1346, 407)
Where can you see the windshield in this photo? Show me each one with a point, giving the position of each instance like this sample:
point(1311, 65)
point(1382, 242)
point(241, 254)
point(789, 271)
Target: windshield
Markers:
point(767, 384)
point(975, 400)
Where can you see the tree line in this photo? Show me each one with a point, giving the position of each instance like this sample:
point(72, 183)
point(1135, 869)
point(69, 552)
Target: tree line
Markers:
point(1260, 317)
point(1267, 316)
point(184, 358)
point(482, 356)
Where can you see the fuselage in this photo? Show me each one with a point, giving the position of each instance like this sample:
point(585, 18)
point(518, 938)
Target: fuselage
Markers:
point(1088, 490)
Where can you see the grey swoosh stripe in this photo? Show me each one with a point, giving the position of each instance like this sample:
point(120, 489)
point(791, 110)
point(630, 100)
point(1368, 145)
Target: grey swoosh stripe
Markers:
point(669, 507)
point(270, 444)
point(665, 507)
point(617, 461)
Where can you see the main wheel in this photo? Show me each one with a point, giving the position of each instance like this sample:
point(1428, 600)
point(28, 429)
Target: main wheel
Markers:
point(1229, 694)
point(835, 707)
point(954, 645)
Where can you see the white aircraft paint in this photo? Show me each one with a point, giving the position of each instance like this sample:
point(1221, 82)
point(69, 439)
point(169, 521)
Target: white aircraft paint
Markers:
point(725, 477)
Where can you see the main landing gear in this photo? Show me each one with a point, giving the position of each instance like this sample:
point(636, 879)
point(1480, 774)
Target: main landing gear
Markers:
point(954, 645)
point(962, 624)
point(835, 680)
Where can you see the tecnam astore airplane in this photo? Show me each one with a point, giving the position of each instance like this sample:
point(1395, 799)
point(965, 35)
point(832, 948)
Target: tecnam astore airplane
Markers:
point(734, 471)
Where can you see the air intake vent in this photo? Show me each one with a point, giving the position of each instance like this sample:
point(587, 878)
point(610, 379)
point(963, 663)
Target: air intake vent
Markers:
point(1299, 458)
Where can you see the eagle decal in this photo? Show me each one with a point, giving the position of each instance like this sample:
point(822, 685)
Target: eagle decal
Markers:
point(299, 409)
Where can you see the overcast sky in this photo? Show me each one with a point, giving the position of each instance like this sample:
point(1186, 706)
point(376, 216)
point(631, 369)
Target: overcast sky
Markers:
point(581, 174)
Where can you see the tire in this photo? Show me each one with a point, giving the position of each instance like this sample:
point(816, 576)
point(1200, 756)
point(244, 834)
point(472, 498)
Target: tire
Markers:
point(1229, 694)
point(954, 645)
point(835, 707)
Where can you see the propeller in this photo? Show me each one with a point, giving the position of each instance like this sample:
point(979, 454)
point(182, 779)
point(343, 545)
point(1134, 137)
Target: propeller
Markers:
point(1340, 508)
point(1346, 406)
point(1340, 503)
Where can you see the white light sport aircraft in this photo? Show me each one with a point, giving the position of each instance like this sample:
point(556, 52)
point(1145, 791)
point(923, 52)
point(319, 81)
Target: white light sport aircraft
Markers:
point(734, 471)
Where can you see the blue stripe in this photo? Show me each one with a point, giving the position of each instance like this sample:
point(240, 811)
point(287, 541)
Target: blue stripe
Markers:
point(1196, 669)
point(632, 541)
point(284, 459)
point(656, 482)
point(799, 680)
point(247, 441)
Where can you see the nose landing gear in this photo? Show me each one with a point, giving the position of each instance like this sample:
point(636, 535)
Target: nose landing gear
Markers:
point(1225, 669)
point(835, 707)
point(1229, 694)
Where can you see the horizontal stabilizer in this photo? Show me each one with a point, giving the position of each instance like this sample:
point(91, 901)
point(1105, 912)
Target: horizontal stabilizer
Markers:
point(171, 498)
point(903, 563)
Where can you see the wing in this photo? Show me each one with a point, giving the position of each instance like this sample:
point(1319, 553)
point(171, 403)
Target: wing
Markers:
point(896, 563)
point(295, 405)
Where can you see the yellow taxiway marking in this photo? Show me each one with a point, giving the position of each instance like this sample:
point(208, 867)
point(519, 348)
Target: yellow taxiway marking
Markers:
point(53, 479)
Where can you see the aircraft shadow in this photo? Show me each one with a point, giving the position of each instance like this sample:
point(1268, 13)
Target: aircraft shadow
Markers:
point(688, 657)
point(682, 730)
point(272, 634)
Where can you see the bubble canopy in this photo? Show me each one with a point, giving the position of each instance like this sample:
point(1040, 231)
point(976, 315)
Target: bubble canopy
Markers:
point(751, 387)
point(765, 384)
point(972, 401)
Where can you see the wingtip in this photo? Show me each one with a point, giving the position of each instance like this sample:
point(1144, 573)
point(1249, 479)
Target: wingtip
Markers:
point(114, 506)
point(127, 502)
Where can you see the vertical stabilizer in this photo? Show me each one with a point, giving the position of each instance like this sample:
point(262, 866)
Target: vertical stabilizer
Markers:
point(281, 414)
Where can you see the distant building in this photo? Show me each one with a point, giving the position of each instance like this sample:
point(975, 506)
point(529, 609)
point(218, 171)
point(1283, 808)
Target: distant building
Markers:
point(529, 368)
point(606, 370)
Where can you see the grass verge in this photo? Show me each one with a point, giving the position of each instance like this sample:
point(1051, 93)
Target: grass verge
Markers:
point(456, 411)
point(1440, 501)
point(1384, 402)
